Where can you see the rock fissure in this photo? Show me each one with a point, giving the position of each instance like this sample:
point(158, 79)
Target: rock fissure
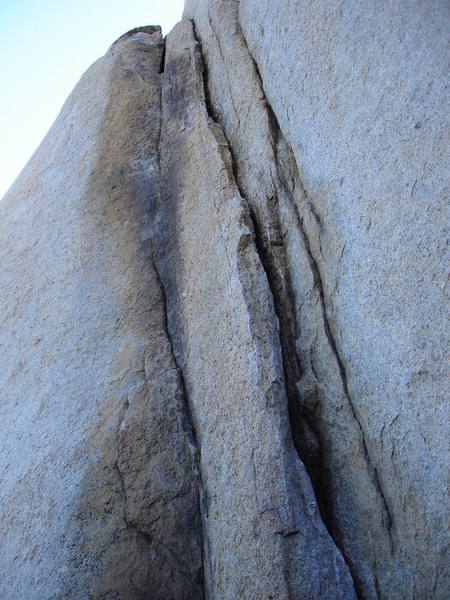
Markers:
point(247, 308)
point(278, 279)
point(179, 370)
point(187, 407)
point(163, 290)
point(387, 524)
point(188, 413)
point(318, 282)
point(276, 136)
point(305, 435)
point(301, 411)
point(277, 275)
point(248, 302)
point(204, 73)
point(222, 56)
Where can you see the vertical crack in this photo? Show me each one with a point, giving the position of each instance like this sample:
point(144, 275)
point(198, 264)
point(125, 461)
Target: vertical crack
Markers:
point(272, 254)
point(305, 437)
point(188, 413)
point(201, 500)
point(343, 375)
point(204, 71)
point(180, 372)
point(276, 135)
point(219, 45)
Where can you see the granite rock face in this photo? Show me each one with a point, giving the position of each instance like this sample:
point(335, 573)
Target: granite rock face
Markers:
point(259, 514)
point(99, 494)
point(223, 314)
point(336, 129)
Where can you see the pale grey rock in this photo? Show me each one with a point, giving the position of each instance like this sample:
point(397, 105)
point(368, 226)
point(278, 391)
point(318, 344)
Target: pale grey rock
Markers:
point(223, 323)
point(359, 93)
point(332, 448)
point(99, 495)
point(263, 534)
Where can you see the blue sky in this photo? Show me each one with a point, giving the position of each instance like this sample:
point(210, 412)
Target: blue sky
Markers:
point(45, 46)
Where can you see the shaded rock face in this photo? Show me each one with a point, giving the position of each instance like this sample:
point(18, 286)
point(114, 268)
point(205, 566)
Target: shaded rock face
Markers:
point(223, 315)
point(99, 494)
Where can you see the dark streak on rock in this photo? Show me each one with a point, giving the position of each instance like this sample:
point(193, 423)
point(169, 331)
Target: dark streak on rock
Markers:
point(187, 407)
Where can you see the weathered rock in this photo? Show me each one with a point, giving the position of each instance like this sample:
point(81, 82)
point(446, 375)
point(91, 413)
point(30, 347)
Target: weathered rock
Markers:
point(263, 534)
point(332, 448)
point(223, 313)
point(342, 108)
point(363, 109)
point(99, 495)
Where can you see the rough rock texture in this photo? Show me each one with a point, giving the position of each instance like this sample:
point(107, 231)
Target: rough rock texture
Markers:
point(258, 511)
point(223, 314)
point(334, 116)
point(99, 494)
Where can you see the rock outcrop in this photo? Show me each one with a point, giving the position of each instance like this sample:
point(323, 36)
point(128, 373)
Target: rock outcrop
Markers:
point(99, 495)
point(223, 315)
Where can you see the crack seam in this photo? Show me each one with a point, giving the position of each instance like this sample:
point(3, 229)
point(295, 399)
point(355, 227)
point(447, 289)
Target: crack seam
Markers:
point(219, 45)
point(326, 324)
point(275, 132)
point(189, 416)
point(188, 412)
point(318, 283)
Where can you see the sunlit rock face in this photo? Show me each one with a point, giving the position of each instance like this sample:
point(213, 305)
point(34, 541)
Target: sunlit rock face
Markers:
point(223, 318)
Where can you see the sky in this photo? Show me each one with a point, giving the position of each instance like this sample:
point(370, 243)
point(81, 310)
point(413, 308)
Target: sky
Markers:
point(45, 46)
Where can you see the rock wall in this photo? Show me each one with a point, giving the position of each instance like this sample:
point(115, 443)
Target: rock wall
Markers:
point(335, 124)
point(99, 494)
point(258, 511)
point(223, 311)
